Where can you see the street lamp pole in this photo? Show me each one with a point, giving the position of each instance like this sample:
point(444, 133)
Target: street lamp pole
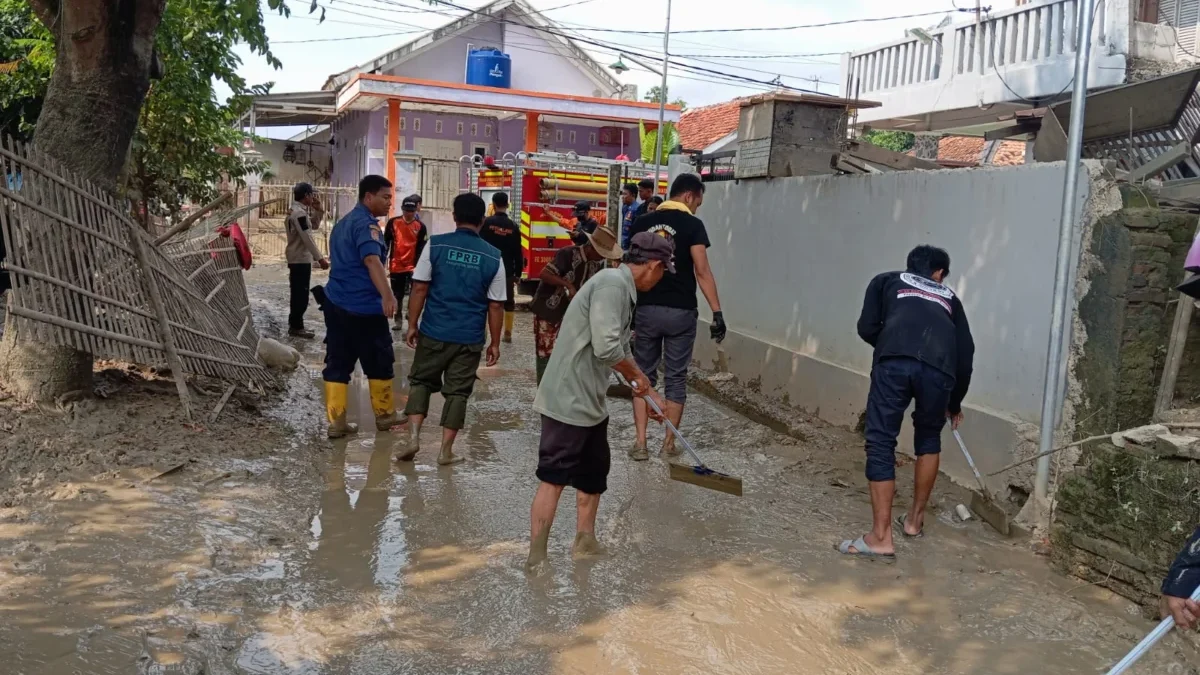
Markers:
point(662, 100)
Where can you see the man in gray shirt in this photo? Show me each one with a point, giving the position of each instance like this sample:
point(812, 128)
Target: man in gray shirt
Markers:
point(304, 217)
point(592, 341)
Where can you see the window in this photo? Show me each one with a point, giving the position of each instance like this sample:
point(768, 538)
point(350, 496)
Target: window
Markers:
point(402, 123)
point(572, 136)
point(592, 138)
point(437, 127)
point(598, 153)
point(474, 129)
point(487, 131)
point(481, 150)
point(416, 124)
point(558, 135)
point(458, 128)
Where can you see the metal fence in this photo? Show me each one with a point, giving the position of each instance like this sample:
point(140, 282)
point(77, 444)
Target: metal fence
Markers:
point(266, 226)
point(86, 276)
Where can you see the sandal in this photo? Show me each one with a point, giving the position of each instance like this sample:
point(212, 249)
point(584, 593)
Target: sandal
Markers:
point(900, 522)
point(862, 550)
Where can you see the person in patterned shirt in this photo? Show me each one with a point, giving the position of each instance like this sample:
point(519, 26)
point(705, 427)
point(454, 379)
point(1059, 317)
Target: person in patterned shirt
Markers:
point(561, 279)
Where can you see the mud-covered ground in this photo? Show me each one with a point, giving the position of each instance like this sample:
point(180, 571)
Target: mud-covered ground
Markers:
point(278, 552)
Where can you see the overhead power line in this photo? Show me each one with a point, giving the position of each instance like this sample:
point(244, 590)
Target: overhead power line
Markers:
point(342, 39)
point(769, 28)
point(585, 40)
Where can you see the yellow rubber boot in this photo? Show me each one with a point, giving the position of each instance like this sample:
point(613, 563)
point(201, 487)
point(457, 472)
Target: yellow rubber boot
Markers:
point(336, 394)
point(383, 403)
point(509, 317)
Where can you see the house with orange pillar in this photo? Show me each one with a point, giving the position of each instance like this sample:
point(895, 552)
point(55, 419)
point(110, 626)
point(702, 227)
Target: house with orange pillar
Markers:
point(502, 79)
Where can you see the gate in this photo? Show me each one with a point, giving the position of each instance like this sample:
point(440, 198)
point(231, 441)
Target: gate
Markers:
point(266, 227)
point(441, 181)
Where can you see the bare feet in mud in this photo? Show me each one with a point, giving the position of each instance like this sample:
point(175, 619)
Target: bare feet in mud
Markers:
point(586, 546)
point(447, 457)
point(414, 444)
point(535, 564)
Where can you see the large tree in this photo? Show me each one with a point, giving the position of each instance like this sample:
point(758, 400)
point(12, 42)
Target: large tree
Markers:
point(106, 53)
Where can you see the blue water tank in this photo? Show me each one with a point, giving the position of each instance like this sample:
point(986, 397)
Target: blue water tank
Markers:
point(489, 67)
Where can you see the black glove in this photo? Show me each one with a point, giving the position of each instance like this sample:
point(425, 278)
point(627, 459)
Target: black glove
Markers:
point(717, 329)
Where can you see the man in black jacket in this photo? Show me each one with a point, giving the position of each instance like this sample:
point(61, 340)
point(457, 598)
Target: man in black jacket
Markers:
point(1182, 580)
point(923, 352)
point(500, 231)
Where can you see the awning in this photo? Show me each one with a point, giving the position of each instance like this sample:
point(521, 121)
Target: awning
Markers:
point(369, 92)
point(293, 109)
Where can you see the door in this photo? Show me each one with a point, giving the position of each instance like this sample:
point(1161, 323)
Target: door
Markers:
point(441, 174)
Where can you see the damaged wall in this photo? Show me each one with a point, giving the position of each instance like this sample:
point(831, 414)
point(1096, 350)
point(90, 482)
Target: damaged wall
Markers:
point(1127, 314)
point(793, 257)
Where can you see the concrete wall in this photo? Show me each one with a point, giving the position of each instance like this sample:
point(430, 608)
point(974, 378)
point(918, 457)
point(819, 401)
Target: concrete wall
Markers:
point(289, 172)
point(537, 66)
point(447, 60)
point(793, 256)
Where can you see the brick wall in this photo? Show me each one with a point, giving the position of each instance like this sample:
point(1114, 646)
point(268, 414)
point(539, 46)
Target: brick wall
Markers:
point(1128, 312)
point(1121, 519)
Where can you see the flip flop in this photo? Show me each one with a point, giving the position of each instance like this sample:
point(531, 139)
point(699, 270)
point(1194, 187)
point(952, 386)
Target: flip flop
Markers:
point(900, 522)
point(861, 550)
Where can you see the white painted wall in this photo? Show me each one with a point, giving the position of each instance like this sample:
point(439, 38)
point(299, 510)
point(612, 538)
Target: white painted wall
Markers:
point(538, 67)
point(793, 257)
point(447, 60)
point(287, 172)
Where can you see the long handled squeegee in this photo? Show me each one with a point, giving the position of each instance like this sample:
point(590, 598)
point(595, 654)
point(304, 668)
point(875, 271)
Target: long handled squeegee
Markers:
point(700, 474)
point(1149, 641)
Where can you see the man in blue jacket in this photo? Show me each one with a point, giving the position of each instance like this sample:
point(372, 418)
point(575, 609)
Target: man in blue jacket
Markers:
point(357, 302)
point(1181, 581)
point(923, 352)
point(458, 291)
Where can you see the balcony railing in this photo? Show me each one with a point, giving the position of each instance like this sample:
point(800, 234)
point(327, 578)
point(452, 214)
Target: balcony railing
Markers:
point(966, 65)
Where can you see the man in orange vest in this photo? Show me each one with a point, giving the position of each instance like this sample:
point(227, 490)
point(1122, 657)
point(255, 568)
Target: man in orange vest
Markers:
point(404, 238)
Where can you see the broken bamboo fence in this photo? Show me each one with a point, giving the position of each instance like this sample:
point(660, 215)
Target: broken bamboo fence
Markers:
point(86, 276)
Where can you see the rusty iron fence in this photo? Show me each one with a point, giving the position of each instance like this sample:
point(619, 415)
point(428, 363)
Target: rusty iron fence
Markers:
point(86, 276)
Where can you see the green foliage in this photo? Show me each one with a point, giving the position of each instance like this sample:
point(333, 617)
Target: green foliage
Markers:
point(896, 141)
point(649, 140)
point(173, 157)
point(655, 95)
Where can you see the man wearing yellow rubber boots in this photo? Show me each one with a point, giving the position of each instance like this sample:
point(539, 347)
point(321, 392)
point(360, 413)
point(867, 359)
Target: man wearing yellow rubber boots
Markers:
point(358, 303)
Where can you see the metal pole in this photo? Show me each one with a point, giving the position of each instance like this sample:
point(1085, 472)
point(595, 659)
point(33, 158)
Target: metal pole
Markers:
point(979, 37)
point(662, 100)
point(1066, 235)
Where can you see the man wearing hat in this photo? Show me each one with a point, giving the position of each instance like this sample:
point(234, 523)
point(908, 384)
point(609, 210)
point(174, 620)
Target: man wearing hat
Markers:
point(561, 280)
point(593, 341)
point(304, 217)
point(404, 238)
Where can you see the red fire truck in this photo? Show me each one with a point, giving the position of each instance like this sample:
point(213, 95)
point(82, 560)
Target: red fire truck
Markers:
point(548, 184)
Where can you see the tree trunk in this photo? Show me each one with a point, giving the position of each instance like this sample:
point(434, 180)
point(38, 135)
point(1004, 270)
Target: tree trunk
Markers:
point(105, 49)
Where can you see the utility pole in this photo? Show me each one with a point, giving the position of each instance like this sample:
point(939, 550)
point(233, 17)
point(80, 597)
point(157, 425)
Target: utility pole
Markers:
point(979, 35)
point(662, 100)
point(1062, 269)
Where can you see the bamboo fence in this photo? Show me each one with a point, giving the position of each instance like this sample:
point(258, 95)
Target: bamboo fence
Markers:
point(86, 276)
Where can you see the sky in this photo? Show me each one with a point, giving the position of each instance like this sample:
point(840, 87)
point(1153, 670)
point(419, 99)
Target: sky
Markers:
point(356, 31)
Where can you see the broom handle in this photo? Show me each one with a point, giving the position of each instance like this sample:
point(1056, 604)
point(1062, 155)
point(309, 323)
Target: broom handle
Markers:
point(970, 461)
point(686, 446)
point(1147, 642)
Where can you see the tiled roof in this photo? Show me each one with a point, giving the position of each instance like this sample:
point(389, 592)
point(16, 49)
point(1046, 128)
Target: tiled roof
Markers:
point(701, 127)
point(969, 149)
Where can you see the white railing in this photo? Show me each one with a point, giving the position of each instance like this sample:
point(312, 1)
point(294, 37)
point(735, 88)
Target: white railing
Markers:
point(1028, 35)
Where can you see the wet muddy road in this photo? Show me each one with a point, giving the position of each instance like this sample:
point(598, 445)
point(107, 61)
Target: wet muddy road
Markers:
point(355, 564)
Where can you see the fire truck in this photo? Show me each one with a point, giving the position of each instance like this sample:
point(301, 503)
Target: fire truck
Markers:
point(545, 183)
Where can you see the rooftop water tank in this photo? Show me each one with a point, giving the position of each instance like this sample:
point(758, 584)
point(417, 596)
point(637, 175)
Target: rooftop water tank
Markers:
point(489, 67)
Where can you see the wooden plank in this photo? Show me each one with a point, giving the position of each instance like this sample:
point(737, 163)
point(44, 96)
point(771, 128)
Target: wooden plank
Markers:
point(166, 331)
point(1022, 129)
point(705, 478)
point(1179, 334)
point(1161, 163)
point(221, 404)
point(885, 157)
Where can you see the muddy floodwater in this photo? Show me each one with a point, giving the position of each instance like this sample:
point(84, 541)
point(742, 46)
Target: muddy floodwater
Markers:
point(329, 558)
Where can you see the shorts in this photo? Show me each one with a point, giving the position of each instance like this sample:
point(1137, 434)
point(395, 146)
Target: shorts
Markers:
point(896, 382)
point(575, 456)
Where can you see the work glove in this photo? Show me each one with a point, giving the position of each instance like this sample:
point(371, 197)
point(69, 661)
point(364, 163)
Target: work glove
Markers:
point(718, 329)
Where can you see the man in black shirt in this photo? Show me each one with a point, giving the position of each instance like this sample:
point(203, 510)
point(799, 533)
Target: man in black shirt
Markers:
point(665, 321)
point(645, 191)
point(500, 231)
point(1181, 581)
point(923, 352)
